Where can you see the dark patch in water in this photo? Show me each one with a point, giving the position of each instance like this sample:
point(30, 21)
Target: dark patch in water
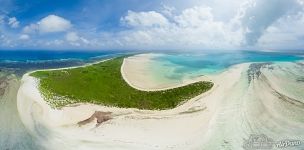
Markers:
point(19, 68)
point(3, 85)
point(300, 64)
point(301, 79)
point(254, 70)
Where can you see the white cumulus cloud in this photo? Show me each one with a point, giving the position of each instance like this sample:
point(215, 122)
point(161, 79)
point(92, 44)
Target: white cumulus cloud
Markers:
point(287, 32)
point(144, 19)
point(32, 28)
point(197, 27)
point(53, 23)
point(194, 28)
point(75, 40)
point(2, 19)
point(263, 14)
point(72, 37)
point(49, 24)
point(24, 37)
point(13, 22)
point(195, 17)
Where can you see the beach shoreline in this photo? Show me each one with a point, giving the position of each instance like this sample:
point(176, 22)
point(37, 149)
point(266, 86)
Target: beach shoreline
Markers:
point(230, 111)
point(29, 95)
point(135, 72)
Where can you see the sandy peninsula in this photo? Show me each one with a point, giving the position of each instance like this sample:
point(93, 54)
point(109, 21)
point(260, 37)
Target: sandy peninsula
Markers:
point(136, 71)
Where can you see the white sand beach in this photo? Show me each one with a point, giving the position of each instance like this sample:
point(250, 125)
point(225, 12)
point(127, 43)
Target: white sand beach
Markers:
point(136, 70)
point(238, 105)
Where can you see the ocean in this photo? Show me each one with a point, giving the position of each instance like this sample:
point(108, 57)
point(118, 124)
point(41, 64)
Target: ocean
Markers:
point(176, 67)
point(183, 62)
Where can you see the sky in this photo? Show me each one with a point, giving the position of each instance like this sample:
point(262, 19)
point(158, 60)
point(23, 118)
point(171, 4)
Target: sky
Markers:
point(152, 24)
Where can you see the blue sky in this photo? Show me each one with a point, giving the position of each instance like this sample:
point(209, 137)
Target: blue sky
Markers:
point(149, 25)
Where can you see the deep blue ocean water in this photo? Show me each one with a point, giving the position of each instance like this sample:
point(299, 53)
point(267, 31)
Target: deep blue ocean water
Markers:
point(36, 55)
point(204, 62)
point(21, 61)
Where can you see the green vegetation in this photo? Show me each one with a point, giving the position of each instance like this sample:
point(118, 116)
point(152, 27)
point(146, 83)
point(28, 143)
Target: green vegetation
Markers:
point(103, 83)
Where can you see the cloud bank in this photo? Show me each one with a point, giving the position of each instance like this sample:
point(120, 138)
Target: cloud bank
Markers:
point(249, 24)
point(194, 27)
point(261, 15)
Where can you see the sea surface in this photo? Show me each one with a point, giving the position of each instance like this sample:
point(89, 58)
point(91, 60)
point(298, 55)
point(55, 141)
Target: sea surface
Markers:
point(21, 61)
point(183, 62)
point(167, 67)
point(176, 67)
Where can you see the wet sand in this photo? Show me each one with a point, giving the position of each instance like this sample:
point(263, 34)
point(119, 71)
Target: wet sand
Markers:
point(13, 134)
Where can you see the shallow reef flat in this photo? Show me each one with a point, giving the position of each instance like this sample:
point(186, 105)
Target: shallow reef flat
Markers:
point(266, 101)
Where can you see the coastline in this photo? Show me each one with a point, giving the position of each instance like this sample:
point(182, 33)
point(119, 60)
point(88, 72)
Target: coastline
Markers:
point(230, 111)
point(145, 125)
point(31, 84)
point(135, 72)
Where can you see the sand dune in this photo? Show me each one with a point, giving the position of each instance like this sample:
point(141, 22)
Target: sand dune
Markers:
point(245, 100)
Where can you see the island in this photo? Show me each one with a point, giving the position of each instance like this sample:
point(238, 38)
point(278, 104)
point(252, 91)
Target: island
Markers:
point(103, 84)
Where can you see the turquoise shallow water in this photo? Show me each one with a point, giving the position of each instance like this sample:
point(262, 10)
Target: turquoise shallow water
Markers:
point(179, 66)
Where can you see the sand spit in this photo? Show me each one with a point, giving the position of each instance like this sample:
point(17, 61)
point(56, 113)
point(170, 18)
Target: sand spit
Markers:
point(221, 118)
point(136, 70)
